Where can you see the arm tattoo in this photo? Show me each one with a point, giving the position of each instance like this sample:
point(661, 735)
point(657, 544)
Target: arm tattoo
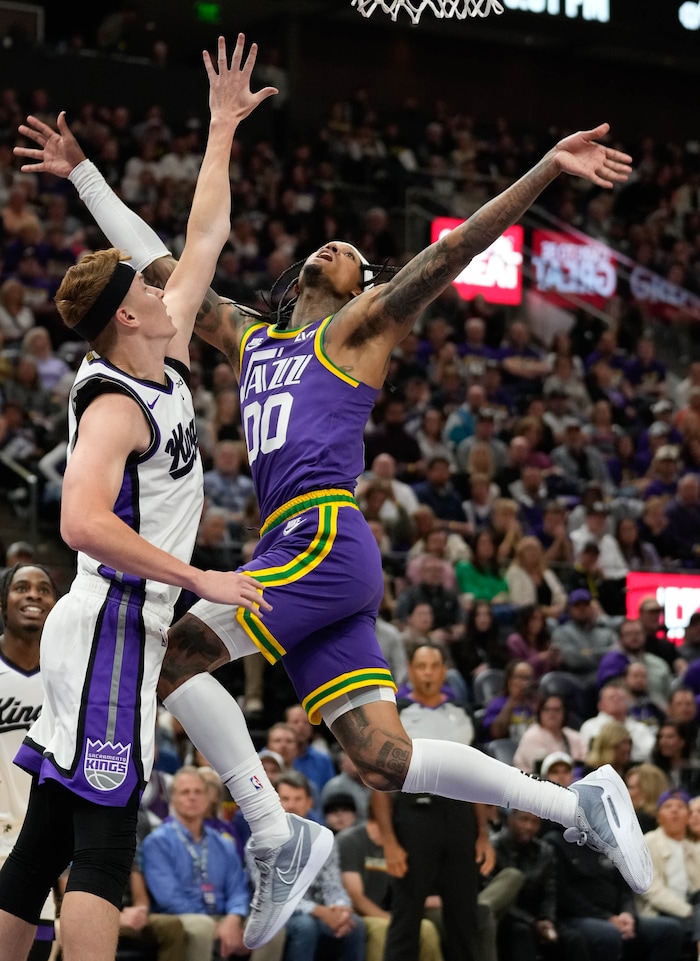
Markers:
point(430, 271)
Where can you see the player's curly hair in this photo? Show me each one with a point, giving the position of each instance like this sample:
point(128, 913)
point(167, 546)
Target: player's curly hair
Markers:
point(280, 302)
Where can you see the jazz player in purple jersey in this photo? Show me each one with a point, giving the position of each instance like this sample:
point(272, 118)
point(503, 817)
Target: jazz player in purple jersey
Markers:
point(131, 502)
point(306, 389)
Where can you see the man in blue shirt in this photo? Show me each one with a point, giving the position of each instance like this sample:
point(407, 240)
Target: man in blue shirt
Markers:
point(193, 871)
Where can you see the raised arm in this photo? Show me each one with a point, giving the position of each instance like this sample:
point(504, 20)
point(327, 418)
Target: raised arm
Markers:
point(219, 322)
point(392, 309)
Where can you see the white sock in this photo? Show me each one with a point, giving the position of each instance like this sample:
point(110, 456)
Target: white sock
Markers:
point(465, 774)
point(215, 724)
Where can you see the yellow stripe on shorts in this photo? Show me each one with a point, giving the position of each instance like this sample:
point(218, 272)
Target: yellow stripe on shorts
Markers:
point(343, 684)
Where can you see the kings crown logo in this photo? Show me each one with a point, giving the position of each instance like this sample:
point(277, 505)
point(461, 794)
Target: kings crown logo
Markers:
point(106, 765)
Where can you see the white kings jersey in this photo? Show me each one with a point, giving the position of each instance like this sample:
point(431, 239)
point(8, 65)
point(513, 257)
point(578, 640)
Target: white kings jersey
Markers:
point(21, 695)
point(162, 495)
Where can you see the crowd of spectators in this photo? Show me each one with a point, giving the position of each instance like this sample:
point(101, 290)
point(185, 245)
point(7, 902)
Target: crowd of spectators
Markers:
point(511, 485)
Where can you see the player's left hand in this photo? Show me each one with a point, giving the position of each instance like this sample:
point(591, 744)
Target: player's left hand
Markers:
point(229, 86)
point(225, 587)
point(579, 154)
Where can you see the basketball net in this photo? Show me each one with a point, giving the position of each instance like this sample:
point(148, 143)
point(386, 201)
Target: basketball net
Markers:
point(460, 9)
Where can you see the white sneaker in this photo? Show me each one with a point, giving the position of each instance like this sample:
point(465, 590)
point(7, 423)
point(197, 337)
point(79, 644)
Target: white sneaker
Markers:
point(285, 874)
point(607, 823)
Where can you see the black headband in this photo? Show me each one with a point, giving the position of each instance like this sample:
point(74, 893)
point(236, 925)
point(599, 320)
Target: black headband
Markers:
point(104, 308)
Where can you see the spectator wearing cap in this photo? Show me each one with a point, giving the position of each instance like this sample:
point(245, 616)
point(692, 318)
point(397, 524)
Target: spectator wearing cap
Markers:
point(675, 888)
point(583, 639)
point(485, 430)
point(585, 572)
point(578, 461)
point(631, 647)
point(651, 617)
point(689, 650)
point(663, 412)
point(683, 514)
point(664, 471)
point(611, 563)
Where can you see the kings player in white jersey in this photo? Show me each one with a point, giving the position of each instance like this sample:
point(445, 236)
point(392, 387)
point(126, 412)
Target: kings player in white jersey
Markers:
point(27, 594)
point(131, 503)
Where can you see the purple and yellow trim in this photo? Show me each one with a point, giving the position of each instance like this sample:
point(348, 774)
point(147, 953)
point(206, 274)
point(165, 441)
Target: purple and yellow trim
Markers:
point(344, 684)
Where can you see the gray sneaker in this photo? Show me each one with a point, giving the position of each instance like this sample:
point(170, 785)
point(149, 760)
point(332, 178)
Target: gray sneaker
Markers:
point(284, 877)
point(607, 823)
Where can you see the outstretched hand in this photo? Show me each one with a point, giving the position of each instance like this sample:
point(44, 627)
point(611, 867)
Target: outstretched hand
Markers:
point(580, 155)
point(59, 152)
point(229, 86)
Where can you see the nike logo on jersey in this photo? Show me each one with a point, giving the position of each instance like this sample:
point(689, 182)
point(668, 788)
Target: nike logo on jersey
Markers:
point(151, 406)
point(255, 342)
point(290, 874)
point(291, 525)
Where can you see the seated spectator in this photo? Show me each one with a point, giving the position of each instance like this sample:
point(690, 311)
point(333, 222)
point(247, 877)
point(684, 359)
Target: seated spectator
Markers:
point(316, 766)
point(460, 422)
point(530, 929)
point(612, 745)
point(383, 467)
point(656, 641)
point(440, 494)
point(531, 581)
point(424, 520)
point(324, 916)
point(481, 647)
point(376, 496)
point(530, 493)
point(593, 900)
point(510, 713)
point(631, 647)
point(225, 485)
point(339, 812)
point(485, 429)
point(524, 366)
point(391, 437)
point(365, 878)
point(208, 892)
point(138, 925)
point(36, 344)
point(626, 472)
point(583, 638)
point(639, 555)
point(553, 535)
point(683, 513)
point(689, 650)
point(549, 734)
point(654, 529)
point(16, 317)
point(519, 453)
point(430, 435)
point(674, 889)
point(348, 783)
point(613, 703)
point(448, 615)
point(578, 461)
point(646, 783)
point(531, 641)
point(612, 565)
point(642, 707)
point(435, 545)
point(674, 752)
point(506, 528)
point(664, 472)
point(645, 373)
point(479, 504)
point(480, 578)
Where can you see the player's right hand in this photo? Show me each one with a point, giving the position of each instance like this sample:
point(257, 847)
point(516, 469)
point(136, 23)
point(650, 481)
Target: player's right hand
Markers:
point(226, 587)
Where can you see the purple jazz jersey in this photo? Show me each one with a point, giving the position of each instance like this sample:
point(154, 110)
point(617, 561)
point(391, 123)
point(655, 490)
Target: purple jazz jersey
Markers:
point(303, 418)
point(304, 422)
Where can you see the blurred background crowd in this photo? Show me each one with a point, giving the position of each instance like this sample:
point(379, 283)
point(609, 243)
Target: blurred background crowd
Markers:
point(513, 481)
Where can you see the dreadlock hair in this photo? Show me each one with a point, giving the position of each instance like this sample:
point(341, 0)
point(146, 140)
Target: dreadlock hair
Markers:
point(9, 574)
point(280, 305)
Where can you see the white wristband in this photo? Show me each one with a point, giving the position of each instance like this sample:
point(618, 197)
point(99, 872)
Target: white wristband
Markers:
point(120, 225)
